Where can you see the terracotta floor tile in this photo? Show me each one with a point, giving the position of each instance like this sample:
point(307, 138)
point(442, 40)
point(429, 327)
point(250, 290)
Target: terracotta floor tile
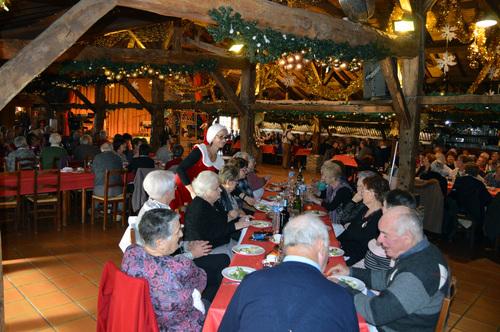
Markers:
point(7, 284)
point(17, 265)
point(89, 304)
point(82, 291)
point(63, 313)
point(93, 275)
point(32, 322)
point(83, 324)
point(488, 315)
point(56, 271)
point(25, 279)
point(485, 301)
point(459, 306)
point(86, 266)
point(70, 280)
point(49, 300)
point(11, 295)
point(18, 308)
point(38, 288)
point(45, 261)
point(467, 324)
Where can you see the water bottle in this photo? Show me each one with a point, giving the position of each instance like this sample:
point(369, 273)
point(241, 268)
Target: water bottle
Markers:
point(276, 219)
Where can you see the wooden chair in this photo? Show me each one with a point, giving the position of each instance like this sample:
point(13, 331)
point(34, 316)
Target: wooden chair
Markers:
point(26, 163)
point(46, 196)
point(445, 307)
point(114, 178)
point(11, 195)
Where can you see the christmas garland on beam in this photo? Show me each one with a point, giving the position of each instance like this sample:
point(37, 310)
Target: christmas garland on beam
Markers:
point(267, 45)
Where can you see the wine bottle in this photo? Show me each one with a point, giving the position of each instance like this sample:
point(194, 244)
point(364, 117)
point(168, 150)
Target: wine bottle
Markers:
point(284, 216)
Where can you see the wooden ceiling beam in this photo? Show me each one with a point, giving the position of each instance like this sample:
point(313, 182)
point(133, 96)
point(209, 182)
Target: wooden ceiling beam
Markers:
point(10, 47)
point(49, 45)
point(460, 99)
point(300, 22)
point(388, 67)
point(228, 92)
point(323, 106)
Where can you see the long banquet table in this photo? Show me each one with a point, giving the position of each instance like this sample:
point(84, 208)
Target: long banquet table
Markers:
point(227, 289)
point(69, 181)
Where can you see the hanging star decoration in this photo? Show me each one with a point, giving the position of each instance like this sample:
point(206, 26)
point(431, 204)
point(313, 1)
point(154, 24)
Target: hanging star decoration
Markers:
point(448, 32)
point(135, 85)
point(446, 61)
point(490, 92)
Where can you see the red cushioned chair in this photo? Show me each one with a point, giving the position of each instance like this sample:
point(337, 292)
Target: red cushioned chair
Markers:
point(124, 303)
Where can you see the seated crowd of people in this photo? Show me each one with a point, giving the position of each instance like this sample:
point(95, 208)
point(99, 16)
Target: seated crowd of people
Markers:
point(198, 206)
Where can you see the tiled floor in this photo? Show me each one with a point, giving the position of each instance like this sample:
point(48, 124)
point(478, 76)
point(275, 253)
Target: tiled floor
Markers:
point(51, 280)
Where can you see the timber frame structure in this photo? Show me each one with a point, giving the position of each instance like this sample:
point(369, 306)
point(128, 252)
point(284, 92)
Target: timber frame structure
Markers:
point(56, 43)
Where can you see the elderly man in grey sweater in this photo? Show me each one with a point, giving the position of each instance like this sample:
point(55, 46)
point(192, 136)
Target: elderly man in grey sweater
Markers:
point(411, 293)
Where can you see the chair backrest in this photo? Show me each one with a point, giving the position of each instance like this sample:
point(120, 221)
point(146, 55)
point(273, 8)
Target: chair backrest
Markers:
point(445, 307)
point(47, 181)
point(26, 163)
point(124, 303)
point(10, 185)
point(115, 178)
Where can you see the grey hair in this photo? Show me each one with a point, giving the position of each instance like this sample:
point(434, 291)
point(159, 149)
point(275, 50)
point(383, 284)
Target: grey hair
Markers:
point(157, 224)
point(106, 147)
point(408, 220)
point(86, 139)
point(55, 139)
point(331, 169)
point(20, 142)
point(242, 155)
point(305, 230)
point(204, 182)
point(365, 174)
point(157, 183)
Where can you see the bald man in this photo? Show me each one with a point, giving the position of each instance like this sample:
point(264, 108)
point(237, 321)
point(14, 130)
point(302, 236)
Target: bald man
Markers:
point(412, 292)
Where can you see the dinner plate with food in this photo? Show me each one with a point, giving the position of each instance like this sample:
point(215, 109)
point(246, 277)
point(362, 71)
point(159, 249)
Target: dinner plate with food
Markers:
point(248, 250)
point(261, 223)
point(318, 213)
point(351, 282)
point(236, 273)
point(274, 189)
point(335, 252)
point(263, 207)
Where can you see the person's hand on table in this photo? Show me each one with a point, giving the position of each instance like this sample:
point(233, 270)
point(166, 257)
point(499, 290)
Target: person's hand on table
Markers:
point(199, 248)
point(233, 214)
point(337, 270)
point(243, 223)
point(250, 200)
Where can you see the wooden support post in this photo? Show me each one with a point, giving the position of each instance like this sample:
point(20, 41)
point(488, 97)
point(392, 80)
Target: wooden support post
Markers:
point(2, 310)
point(247, 119)
point(228, 92)
point(389, 69)
point(413, 77)
point(49, 45)
point(157, 118)
point(100, 107)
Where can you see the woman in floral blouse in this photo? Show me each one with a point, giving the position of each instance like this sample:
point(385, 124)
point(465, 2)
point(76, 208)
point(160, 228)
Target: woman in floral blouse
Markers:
point(175, 283)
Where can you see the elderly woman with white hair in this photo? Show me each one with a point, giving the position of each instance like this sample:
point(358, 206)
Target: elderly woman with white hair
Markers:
point(160, 186)
point(203, 221)
point(54, 155)
point(203, 157)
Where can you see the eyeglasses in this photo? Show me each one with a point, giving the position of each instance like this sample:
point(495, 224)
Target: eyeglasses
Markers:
point(221, 137)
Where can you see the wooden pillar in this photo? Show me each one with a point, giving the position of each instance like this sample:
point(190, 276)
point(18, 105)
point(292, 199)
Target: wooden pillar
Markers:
point(100, 107)
point(247, 118)
point(157, 119)
point(413, 77)
point(2, 310)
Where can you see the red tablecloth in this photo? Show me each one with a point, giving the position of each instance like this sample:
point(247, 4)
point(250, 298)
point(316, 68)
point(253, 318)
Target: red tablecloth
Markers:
point(303, 152)
point(69, 181)
point(268, 149)
point(346, 159)
point(226, 291)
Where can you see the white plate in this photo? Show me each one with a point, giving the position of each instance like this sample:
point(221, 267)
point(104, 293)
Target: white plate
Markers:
point(274, 189)
point(248, 250)
point(263, 207)
point(272, 198)
point(354, 283)
point(318, 213)
point(232, 271)
point(335, 252)
point(261, 224)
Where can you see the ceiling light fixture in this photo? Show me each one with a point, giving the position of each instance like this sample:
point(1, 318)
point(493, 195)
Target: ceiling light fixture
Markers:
point(486, 21)
point(236, 48)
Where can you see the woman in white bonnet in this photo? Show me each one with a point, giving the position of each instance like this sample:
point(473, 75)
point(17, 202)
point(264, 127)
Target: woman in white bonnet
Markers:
point(203, 157)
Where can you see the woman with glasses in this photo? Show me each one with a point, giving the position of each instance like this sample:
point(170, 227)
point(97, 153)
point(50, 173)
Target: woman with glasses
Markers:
point(203, 157)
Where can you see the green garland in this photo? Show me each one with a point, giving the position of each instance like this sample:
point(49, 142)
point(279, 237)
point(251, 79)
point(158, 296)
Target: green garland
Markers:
point(268, 45)
point(97, 67)
point(470, 107)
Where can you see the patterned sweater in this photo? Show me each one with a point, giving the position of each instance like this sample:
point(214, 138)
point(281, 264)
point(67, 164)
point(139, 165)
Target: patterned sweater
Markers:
point(171, 283)
point(411, 293)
